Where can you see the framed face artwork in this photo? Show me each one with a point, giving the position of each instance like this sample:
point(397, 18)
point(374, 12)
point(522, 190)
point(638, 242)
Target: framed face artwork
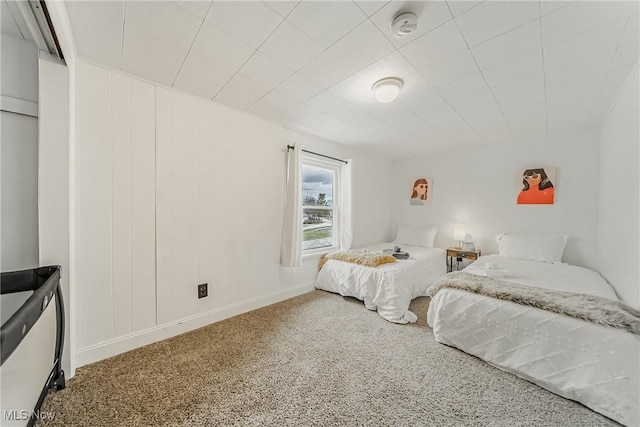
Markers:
point(421, 191)
point(537, 186)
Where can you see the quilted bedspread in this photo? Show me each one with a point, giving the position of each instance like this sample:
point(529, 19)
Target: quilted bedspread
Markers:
point(583, 361)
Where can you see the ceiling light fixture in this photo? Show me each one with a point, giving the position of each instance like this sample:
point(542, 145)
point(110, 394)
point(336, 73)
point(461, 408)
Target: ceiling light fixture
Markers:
point(404, 24)
point(387, 89)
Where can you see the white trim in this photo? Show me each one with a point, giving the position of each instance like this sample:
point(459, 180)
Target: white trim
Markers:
point(32, 24)
point(319, 252)
point(313, 160)
point(125, 343)
point(62, 26)
point(19, 106)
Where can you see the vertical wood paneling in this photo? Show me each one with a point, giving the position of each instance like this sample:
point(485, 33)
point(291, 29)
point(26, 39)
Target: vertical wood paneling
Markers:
point(164, 268)
point(207, 183)
point(243, 193)
point(121, 204)
point(214, 199)
point(94, 202)
point(143, 189)
point(185, 211)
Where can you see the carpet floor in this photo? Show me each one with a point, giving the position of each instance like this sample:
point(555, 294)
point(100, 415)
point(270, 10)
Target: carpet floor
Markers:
point(317, 359)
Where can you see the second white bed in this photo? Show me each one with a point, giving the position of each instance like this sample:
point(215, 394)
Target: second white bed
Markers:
point(582, 361)
point(389, 288)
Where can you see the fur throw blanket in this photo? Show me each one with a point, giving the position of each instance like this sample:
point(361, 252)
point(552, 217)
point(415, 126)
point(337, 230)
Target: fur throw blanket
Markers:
point(364, 257)
point(602, 311)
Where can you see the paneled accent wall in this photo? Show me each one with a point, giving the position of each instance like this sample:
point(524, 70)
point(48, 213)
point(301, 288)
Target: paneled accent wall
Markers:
point(116, 160)
point(174, 191)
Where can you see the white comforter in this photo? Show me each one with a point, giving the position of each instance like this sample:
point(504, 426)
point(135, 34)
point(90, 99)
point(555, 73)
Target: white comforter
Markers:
point(390, 287)
point(594, 365)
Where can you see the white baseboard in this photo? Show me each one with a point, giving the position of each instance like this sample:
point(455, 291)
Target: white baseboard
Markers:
point(125, 343)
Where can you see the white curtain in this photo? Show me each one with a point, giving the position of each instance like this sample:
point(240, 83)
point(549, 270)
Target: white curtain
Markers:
point(291, 253)
point(346, 221)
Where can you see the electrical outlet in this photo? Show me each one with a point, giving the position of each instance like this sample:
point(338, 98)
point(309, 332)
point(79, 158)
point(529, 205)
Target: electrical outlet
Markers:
point(203, 290)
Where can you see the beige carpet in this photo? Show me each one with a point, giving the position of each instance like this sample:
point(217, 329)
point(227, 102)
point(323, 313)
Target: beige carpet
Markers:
point(318, 359)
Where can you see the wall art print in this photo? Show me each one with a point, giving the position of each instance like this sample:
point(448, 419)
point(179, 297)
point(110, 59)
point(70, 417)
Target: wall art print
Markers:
point(421, 192)
point(537, 186)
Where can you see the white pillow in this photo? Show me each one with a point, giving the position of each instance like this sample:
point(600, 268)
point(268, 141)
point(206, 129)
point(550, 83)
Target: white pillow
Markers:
point(532, 247)
point(416, 236)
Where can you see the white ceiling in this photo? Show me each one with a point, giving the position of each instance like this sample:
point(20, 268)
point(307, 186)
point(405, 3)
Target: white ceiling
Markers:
point(474, 73)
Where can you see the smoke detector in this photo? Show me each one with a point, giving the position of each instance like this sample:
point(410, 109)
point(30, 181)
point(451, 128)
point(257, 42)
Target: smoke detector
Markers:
point(404, 24)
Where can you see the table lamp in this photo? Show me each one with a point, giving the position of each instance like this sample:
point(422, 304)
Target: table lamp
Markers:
point(459, 232)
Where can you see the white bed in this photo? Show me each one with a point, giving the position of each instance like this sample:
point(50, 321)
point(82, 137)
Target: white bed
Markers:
point(388, 288)
point(594, 365)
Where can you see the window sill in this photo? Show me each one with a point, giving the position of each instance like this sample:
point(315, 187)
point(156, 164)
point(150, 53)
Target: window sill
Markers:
point(317, 253)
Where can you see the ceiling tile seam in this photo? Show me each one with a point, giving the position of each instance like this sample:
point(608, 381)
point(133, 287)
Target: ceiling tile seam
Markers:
point(395, 126)
point(609, 70)
point(375, 117)
point(544, 75)
point(430, 125)
point(568, 3)
point(627, 81)
point(124, 14)
point(472, 7)
point(178, 3)
point(446, 101)
point(251, 56)
point(266, 3)
point(449, 82)
point(332, 133)
point(503, 33)
point(525, 76)
point(376, 11)
point(485, 79)
point(311, 60)
point(166, 40)
point(368, 18)
point(334, 43)
point(592, 29)
point(191, 46)
point(500, 109)
point(523, 53)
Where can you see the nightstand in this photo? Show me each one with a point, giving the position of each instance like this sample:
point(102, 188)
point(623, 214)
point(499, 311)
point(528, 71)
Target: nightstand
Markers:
point(459, 255)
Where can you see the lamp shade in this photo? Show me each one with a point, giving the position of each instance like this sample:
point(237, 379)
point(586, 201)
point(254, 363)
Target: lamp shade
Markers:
point(459, 232)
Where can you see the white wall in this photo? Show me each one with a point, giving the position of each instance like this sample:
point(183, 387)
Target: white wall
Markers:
point(173, 191)
point(618, 234)
point(19, 152)
point(479, 188)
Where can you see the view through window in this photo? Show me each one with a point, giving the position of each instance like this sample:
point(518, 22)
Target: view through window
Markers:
point(318, 205)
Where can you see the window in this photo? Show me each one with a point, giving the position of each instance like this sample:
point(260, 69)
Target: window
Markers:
point(320, 204)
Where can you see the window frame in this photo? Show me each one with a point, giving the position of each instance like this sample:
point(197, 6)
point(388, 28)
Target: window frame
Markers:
point(336, 167)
